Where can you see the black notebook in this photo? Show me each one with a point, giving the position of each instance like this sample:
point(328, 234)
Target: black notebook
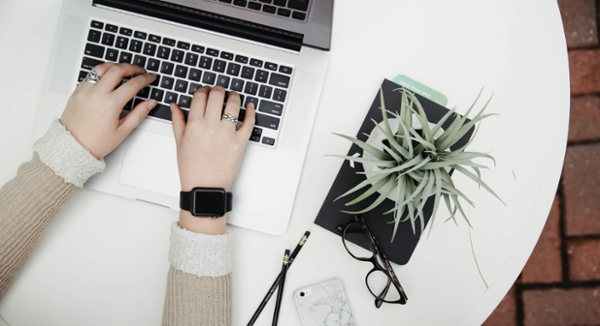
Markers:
point(331, 216)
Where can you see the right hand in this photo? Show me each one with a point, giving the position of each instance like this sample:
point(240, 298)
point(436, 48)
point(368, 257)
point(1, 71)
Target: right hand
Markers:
point(209, 148)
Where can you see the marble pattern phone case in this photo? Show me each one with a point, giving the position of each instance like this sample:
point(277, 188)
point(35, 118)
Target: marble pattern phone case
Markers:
point(323, 304)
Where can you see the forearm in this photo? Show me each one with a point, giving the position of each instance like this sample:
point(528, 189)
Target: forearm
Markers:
point(199, 281)
point(28, 203)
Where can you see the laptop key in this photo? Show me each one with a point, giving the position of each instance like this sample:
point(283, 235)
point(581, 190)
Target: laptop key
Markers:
point(241, 59)
point(285, 70)
point(181, 71)
point(225, 1)
point(125, 57)
point(168, 41)
point(108, 39)
point(299, 15)
point(183, 45)
point(193, 88)
point(271, 66)
point(163, 52)
point(181, 85)
point(280, 3)
point(112, 55)
point(212, 52)
point(279, 80)
point(254, 5)
point(205, 62)
point(261, 76)
point(125, 31)
point(301, 5)
point(185, 101)
point(94, 36)
point(209, 78)
point(233, 69)
point(267, 121)
point(279, 95)
point(247, 72)
point(154, 38)
point(140, 35)
point(219, 65)
point(251, 99)
point(149, 49)
point(97, 24)
point(191, 59)
point(256, 63)
point(156, 81)
point(136, 46)
point(82, 75)
point(265, 91)
point(177, 56)
point(256, 132)
point(270, 107)
point(237, 85)
point(251, 88)
point(223, 81)
point(157, 94)
point(167, 82)
point(269, 9)
point(268, 141)
point(161, 111)
point(111, 28)
point(153, 65)
point(195, 74)
point(140, 61)
point(226, 55)
point(283, 12)
point(167, 68)
point(241, 3)
point(171, 97)
point(197, 48)
point(122, 42)
point(94, 50)
point(89, 63)
point(144, 92)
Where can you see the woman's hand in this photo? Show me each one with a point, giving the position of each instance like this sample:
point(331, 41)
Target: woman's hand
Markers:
point(93, 111)
point(209, 148)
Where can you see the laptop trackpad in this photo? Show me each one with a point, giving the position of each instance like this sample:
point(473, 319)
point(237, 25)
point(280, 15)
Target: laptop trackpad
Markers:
point(150, 163)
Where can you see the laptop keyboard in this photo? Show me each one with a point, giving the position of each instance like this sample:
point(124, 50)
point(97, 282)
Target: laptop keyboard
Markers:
point(293, 9)
point(182, 67)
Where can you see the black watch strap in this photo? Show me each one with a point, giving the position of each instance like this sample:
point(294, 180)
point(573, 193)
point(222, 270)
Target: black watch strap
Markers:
point(186, 200)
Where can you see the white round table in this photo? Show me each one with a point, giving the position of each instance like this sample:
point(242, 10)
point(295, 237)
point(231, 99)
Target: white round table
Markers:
point(102, 246)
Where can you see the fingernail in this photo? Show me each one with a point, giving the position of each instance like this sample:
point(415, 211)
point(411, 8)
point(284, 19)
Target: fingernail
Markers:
point(151, 104)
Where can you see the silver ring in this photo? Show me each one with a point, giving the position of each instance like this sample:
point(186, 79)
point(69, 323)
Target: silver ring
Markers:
point(231, 118)
point(92, 77)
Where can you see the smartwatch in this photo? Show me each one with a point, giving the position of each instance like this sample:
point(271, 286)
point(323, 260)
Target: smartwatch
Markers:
point(206, 202)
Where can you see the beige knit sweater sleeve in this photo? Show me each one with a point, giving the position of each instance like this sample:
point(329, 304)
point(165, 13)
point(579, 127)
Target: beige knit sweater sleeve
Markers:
point(199, 280)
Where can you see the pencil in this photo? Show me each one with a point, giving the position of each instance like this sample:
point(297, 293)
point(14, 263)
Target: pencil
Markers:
point(277, 280)
point(284, 267)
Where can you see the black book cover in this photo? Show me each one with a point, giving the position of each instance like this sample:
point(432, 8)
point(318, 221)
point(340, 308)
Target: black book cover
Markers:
point(331, 216)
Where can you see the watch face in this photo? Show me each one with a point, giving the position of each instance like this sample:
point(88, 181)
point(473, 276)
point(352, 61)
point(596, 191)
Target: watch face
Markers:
point(209, 202)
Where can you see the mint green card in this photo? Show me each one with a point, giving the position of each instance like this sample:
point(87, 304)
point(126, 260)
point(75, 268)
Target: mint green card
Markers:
point(421, 89)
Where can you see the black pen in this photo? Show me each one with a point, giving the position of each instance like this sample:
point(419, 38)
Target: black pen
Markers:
point(278, 279)
point(284, 267)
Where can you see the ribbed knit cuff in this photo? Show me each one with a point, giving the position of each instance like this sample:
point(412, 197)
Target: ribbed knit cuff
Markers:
point(60, 151)
point(200, 254)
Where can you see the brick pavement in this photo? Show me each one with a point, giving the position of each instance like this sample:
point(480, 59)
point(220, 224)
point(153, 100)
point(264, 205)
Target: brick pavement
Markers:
point(560, 285)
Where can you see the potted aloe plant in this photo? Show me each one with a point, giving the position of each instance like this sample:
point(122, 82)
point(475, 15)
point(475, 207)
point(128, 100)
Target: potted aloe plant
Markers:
point(408, 160)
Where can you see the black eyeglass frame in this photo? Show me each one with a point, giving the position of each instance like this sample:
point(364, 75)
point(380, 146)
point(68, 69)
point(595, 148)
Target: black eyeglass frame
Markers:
point(387, 269)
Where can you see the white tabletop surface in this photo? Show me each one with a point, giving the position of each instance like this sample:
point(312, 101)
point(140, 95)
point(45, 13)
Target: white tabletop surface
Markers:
point(104, 259)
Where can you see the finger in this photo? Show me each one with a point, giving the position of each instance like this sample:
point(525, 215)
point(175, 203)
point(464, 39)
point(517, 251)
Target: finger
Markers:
point(100, 71)
point(115, 74)
point(128, 90)
point(214, 105)
point(198, 105)
point(178, 120)
point(245, 130)
point(233, 104)
point(136, 116)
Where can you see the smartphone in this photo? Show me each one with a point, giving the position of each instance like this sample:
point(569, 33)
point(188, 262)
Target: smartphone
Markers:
point(324, 303)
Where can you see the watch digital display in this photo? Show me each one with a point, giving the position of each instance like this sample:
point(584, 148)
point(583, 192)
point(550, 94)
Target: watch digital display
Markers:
point(209, 202)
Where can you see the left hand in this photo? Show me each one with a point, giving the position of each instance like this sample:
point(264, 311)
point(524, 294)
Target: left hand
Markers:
point(93, 111)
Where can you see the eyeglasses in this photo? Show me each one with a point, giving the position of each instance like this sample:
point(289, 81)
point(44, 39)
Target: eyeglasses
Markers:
point(381, 280)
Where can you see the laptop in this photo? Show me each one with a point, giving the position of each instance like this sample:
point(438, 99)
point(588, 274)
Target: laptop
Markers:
point(274, 53)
